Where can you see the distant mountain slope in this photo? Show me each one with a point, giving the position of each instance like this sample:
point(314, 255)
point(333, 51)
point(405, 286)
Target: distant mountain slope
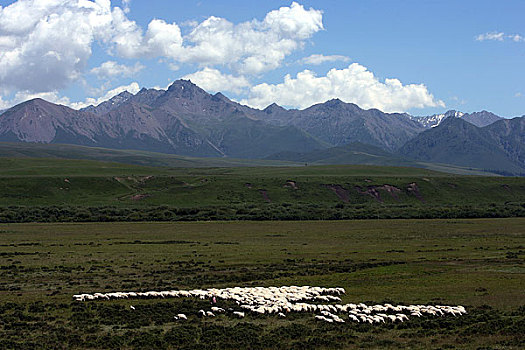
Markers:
point(39, 150)
point(479, 119)
point(109, 105)
point(497, 147)
point(339, 123)
point(353, 153)
point(40, 121)
point(509, 134)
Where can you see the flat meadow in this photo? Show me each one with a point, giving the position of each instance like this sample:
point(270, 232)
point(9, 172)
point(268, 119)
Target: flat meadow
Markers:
point(477, 263)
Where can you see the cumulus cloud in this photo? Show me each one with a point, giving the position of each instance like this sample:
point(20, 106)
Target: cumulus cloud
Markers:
point(46, 45)
point(251, 47)
point(247, 48)
point(160, 40)
point(111, 69)
point(317, 59)
point(499, 36)
point(125, 5)
point(212, 80)
point(355, 84)
point(4, 104)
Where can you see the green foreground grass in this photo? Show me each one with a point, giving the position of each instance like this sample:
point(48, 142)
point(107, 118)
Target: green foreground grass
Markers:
point(478, 263)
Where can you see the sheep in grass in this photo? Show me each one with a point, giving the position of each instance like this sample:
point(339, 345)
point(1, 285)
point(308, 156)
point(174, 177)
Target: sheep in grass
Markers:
point(210, 314)
point(217, 309)
point(132, 307)
point(353, 318)
point(392, 318)
point(322, 318)
point(180, 317)
point(201, 313)
point(239, 314)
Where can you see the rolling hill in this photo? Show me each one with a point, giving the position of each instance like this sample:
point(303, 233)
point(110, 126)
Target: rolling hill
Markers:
point(144, 158)
point(497, 147)
point(353, 153)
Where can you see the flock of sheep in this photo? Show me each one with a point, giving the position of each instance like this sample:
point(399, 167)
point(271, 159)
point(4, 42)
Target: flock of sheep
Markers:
point(287, 299)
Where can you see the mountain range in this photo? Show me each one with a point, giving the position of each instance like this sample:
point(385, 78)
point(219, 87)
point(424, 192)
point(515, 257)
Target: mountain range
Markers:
point(479, 119)
point(498, 147)
point(186, 120)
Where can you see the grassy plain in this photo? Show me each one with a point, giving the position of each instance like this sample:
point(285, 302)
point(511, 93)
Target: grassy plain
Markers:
point(83, 190)
point(478, 263)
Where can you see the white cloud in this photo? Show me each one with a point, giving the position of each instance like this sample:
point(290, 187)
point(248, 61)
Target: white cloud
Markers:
point(499, 36)
point(518, 94)
point(46, 45)
point(161, 38)
point(212, 80)
point(317, 59)
point(111, 69)
point(251, 47)
point(125, 5)
point(4, 104)
point(354, 84)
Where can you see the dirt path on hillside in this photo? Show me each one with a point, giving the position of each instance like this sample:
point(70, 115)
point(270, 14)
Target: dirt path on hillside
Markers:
point(414, 189)
point(264, 194)
point(340, 192)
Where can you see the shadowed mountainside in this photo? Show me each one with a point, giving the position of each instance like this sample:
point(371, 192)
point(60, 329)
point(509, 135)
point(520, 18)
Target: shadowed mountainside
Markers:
point(497, 147)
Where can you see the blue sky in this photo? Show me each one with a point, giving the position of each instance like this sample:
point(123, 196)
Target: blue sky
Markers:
point(464, 55)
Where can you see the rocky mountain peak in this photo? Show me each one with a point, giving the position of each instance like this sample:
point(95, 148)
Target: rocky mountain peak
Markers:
point(109, 105)
point(185, 89)
point(273, 108)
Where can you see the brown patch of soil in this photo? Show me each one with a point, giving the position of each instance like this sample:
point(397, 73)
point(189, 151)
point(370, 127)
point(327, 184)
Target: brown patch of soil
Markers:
point(340, 192)
point(291, 184)
point(371, 191)
point(139, 197)
point(414, 189)
point(265, 196)
point(368, 180)
point(392, 190)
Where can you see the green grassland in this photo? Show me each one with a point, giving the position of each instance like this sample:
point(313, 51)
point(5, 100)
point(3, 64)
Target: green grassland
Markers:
point(366, 155)
point(478, 263)
point(84, 190)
